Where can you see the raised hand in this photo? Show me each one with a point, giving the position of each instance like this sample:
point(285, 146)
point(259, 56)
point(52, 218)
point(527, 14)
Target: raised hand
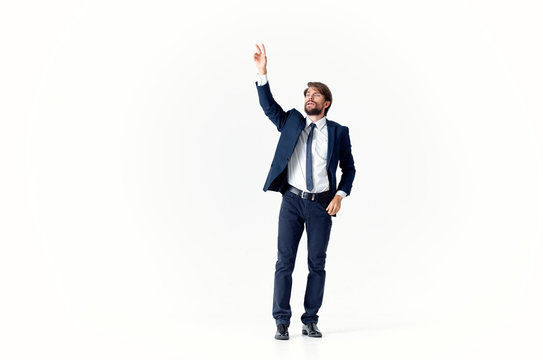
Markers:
point(260, 60)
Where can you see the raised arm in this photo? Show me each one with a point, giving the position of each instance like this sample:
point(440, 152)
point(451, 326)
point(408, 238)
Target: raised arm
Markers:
point(271, 108)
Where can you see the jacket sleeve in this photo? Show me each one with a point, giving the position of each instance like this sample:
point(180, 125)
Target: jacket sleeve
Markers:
point(346, 163)
point(271, 108)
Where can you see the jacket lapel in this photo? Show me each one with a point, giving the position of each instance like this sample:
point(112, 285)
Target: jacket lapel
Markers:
point(331, 137)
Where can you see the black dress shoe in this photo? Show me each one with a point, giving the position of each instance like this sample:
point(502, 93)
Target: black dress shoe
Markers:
point(312, 330)
point(282, 332)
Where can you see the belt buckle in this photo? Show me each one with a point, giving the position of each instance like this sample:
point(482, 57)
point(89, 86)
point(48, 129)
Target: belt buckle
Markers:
point(311, 197)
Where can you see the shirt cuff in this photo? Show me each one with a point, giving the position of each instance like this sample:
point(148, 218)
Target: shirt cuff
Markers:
point(261, 79)
point(341, 193)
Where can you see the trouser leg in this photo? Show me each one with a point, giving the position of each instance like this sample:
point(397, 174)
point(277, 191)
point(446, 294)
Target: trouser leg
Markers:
point(318, 225)
point(291, 227)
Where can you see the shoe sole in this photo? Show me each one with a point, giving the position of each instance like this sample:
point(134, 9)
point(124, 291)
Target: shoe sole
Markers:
point(278, 337)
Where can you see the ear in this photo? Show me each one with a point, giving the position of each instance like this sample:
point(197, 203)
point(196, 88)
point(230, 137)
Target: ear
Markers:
point(326, 104)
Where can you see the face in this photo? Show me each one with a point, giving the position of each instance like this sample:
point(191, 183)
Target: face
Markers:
point(314, 102)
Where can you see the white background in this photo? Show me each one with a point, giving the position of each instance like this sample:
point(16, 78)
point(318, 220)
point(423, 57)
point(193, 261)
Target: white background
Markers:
point(133, 153)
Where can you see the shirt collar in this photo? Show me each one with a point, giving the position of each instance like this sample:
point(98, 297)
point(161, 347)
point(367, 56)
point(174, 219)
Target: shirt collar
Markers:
point(319, 124)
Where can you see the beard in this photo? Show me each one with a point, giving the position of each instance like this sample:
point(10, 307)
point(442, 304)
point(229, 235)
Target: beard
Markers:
point(314, 111)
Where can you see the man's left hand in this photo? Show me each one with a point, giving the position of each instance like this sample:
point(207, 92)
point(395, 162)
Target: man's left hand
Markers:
point(335, 205)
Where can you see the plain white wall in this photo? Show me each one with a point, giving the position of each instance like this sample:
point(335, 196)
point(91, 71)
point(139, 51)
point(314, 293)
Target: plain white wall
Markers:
point(134, 151)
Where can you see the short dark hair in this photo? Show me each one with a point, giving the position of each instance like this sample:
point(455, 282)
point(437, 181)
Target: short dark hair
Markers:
point(324, 90)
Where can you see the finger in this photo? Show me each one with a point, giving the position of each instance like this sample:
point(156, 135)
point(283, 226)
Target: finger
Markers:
point(259, 51)
point(264, 48)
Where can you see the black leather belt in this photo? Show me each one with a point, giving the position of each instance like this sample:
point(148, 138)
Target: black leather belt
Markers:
point(323, 196)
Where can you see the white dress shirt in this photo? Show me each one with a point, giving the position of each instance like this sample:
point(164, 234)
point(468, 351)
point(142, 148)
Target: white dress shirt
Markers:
point(319, 153)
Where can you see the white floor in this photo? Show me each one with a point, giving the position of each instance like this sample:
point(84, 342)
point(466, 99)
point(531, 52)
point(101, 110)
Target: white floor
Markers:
point(208, 327)
point(175, 340)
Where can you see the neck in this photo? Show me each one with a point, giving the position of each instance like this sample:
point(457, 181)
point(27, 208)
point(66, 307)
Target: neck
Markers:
point(315, 118)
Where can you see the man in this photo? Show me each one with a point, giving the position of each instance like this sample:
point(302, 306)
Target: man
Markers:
point(304, 172)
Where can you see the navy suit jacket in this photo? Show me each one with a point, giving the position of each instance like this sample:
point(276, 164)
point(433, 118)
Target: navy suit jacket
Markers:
point(290, 124)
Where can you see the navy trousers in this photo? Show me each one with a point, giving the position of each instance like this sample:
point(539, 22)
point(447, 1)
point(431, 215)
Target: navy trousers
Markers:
point(294, 213)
